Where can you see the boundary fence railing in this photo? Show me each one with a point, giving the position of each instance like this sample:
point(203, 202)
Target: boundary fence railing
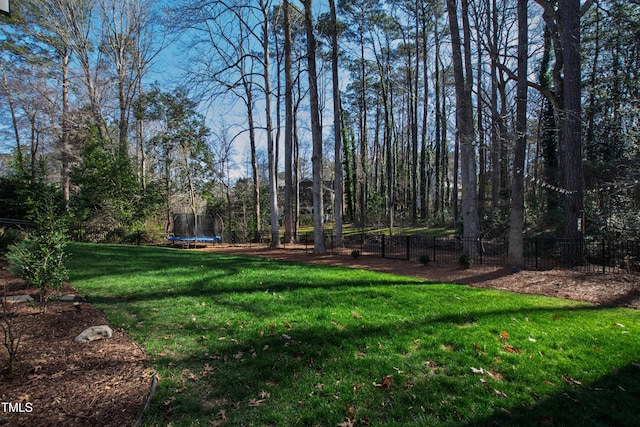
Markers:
point(592, 254)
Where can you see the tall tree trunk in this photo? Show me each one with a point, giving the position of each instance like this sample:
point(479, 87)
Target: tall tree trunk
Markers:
point(464, 119)
point(425, 156)
point(288, 127)
point(271, 149)
point(548, 137)
point(337, 126)
point(66, 131)
point(572, 126)
point(516, 227)
point(363, 179)
point(482, 145)
point(254, 158)
point(14, 120)
point(438, 203)
point(319, 246)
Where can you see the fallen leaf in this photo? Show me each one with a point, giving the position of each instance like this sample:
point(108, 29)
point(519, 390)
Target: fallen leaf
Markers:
point(619, 325)
point(511, 349)
point(23, 398)
point(350, 412)
point(254, 403)
point(222, 418)
point(570, 380)
point(207, 369)
point(504, 335)
point(357, 316)
point(500, 393)
point(387, 380)
point(287, 326)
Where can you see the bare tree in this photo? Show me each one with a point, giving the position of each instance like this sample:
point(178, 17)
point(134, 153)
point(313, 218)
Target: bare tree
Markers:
point(337, 125)
point(63, 25)
point(271, 143)
point(288, 127)
point(464, 119)
point(316, 133)
point(563, 23)
point(222, 64)
point(129, 33)
point(516, 227)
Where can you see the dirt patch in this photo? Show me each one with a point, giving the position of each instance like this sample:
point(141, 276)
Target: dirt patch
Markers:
point(61, 382)
point(611, 289)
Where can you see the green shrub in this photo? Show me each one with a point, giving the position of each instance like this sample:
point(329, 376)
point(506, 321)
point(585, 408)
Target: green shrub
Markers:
point(8, 237)
point(425, 259)
point(355, 253)
point(39, 259)
point(465, 260)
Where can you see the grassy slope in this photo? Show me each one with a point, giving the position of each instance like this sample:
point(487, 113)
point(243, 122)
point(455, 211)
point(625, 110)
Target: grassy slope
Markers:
point(248, 341)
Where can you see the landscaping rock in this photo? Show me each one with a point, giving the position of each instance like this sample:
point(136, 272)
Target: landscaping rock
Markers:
point(18, 298)
point(95, 333)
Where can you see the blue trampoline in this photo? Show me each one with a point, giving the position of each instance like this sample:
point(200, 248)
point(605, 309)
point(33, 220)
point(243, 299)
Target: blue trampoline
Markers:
point(193, 229)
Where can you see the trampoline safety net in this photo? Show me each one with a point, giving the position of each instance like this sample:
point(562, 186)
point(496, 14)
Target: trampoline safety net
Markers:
point(198, 227)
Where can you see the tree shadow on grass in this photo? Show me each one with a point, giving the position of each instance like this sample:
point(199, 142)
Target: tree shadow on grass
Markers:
point(296, 363)
point(283, 357)
point(610, 401)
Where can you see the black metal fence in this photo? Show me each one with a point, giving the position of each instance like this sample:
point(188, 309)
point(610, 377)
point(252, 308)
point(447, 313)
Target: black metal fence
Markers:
point(598, 255)
point(589, 254)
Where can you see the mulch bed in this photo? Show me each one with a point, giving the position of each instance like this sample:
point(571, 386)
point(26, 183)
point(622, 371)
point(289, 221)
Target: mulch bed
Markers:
point(60, 382)
point(107, 382)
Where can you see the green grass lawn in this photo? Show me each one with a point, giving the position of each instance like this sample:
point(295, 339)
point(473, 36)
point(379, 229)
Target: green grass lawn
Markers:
point(247, 341)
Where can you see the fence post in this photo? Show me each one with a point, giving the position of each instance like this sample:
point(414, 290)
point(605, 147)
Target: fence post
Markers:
point(535, 251)
point(383, 244)
point(604, 254)
point(408, 248)
point(435, 244)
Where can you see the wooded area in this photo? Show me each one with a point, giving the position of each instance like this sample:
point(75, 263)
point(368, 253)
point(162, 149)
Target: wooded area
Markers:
point(494, 117)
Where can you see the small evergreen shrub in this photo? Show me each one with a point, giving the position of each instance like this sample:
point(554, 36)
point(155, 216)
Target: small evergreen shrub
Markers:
point(355, 253)
point(425, 259)
point(8, 237)
point(465, 260)
point(39, 259)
